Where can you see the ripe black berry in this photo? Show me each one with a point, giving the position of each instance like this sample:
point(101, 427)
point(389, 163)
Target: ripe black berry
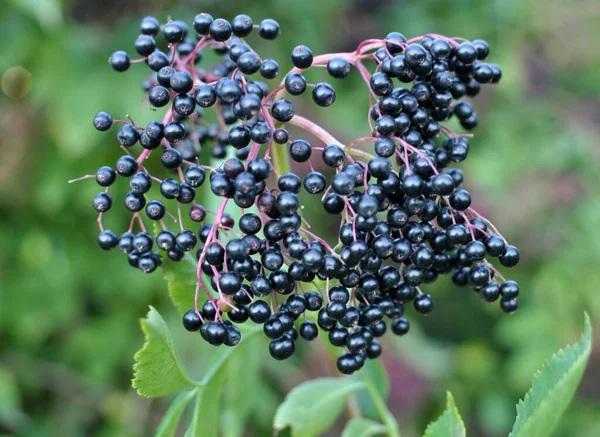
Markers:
point(120, 61)
point(192, 321)
point(269, 29)
point(103, 121)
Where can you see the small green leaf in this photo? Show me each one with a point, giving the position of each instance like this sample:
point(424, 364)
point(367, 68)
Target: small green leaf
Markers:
point(363, 428)
point(157, 370)
point(374, 373)
point(313, 406)
point(449, 424)
point(169, 423)
point(554, 386)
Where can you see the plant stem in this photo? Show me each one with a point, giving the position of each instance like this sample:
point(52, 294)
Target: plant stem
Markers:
point(279, 156)
point(388, 419)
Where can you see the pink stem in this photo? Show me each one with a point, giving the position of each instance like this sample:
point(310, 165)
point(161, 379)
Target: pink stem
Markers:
point(320, 240)
point(146, 153)
point(209, 239)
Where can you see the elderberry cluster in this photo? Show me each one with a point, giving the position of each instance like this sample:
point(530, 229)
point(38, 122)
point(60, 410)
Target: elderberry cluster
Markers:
point(405, 218)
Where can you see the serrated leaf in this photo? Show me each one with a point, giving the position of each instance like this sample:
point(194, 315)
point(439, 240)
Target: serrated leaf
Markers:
point(310, 408)
point(554, 386)
point(376, 375)
point(157, 369)
point(170, 421)
point(363, 428)
point(449, 424)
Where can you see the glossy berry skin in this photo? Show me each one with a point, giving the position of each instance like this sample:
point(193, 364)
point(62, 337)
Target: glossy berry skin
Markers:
point(381, 84)
point(295, 84)
point(490, 292)
point(460, 200)
point(423, 303)
point(105, 176)
point(140, 183)
point(159, 96)
point(103, 121)
point(466, 53)
point(102, 202)
point(108, 240)
point(283, 110)
point(192, 321)
point(302, 57)
point(269, 29)
point(259, 311)
point(309, 330)
point(220, 30)
point(269, 69)
point(120, 61)
point(338, 67)
point(171, 158)
point(400, 326)
point(323, 94)
point(282, 348)
point(347, 364)
point(181, 82)
point(214, 333)
point(202, 23)
point(314, 301)
point(509, 305)
point(128, 135)
point(134, 201)
point(184, 104)
point(315, 183)
point(145, 45)
point(241, 25)
point(155, 210)
point(205, 96)
point(510, 256)
point(150, 26)
point(173, 32)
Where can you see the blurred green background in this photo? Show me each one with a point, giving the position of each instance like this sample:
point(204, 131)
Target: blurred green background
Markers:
point(69, 311)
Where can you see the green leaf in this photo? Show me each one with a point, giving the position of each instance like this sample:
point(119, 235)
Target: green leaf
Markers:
point(244, 371)
point(554, 386)
point(449, 423)
point(157, 370)
point(208, 408)
point(181, 280)
point(313, 406)
point(47, 12)
point(205, 422)
point(169, 423)
point(363, 428)
point(11, 414)
point(374, 373)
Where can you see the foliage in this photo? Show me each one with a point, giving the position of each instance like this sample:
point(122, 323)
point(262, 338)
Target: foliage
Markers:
point(537, 415)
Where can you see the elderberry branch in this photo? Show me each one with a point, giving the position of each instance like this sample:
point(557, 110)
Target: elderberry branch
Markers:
point(405, 218)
